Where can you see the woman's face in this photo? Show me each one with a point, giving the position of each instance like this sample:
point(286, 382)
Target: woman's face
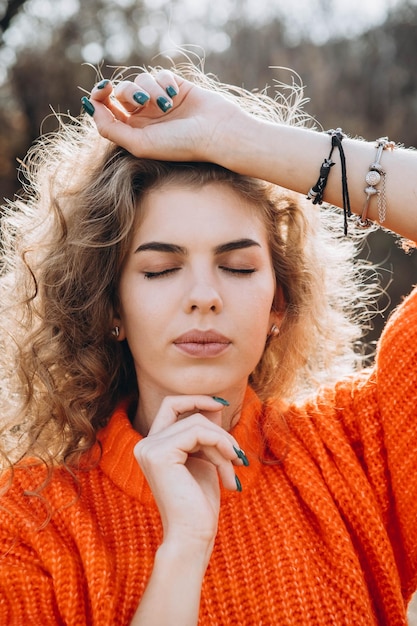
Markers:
point(196, 292)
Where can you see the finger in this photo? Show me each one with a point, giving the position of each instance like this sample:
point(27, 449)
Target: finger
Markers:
point(172, 407)
point(223, 461)
point(150, 91)
point(130, 96)
point(224, 469)
point(186, 437)
point(111, 124)
point(160, 82)
point(103, 102)
point(196, 438)
point(162, 87)
point(173, 411)
point(102, 90)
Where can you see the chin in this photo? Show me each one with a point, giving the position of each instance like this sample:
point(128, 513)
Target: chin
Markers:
point(206, 384)
point(199, 389)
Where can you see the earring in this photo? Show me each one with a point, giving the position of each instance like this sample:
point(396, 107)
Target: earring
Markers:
point(274, 332)
point(115, 331)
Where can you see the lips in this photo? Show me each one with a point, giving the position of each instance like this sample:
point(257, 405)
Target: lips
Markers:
point(200, 343)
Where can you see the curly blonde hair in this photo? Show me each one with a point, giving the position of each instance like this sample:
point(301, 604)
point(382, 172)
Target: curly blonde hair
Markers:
point(64, 244)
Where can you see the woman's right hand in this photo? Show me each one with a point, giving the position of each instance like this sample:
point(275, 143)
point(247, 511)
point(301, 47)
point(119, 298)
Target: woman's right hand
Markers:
point(182, 459)
point(183, 456)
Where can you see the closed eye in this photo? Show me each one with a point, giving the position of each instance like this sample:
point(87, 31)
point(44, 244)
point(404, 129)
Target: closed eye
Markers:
point(238, 270)
point(162, 273)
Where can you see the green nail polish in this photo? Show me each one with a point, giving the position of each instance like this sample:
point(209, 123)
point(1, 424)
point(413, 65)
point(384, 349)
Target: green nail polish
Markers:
point(140, 97)
point(221, 401)
point(87, 106)
point(238, 483)
point(171, 91)
point(163, 104)
point(242, 456)
point(102, 84)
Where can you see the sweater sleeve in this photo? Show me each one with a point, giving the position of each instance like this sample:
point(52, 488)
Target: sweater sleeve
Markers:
point(396, 395)
point(26, 596)
point(26, 588)
point(39, 580)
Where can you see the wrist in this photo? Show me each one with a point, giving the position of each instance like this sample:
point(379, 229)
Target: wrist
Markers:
point(231, 138)
point(245, 146)
point(173, 592)
point(185, 554)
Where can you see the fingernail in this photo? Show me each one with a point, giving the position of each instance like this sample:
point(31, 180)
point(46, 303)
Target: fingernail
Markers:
point(171, 91)
point(140, 97)
point(221, 401)
point(242, 456)
point(87, 106)
point(163, 104)
point(238, 483)
point(102, 84)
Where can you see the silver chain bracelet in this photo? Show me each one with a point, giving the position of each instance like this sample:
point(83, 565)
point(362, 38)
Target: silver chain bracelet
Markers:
point(373, 178)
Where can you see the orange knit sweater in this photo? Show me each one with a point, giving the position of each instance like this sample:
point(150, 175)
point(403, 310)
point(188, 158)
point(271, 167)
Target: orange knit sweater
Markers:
point(326, 536)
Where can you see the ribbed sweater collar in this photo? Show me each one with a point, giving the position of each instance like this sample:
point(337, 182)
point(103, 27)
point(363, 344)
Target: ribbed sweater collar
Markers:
point(118, 440)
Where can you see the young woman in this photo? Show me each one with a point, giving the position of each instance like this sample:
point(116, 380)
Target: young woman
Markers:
point(174, 324)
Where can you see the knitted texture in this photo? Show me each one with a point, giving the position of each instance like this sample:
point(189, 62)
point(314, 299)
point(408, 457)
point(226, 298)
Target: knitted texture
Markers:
point(324, 532)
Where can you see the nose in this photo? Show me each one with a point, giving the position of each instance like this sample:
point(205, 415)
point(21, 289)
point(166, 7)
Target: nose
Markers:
point(203, 297)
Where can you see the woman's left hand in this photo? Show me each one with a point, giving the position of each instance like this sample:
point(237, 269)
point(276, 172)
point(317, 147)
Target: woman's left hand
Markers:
point(163, 116)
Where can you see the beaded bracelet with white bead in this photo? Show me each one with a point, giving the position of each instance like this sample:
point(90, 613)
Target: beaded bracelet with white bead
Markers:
point(373, 178)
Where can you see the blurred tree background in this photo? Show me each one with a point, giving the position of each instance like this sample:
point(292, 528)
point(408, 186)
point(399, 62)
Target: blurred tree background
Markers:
point(358, 75)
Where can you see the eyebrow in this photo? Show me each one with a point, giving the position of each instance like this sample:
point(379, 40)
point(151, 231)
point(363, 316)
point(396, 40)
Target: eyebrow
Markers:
point(160, 246)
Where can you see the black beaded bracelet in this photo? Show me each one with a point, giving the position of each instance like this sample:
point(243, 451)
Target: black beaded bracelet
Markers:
point(316, 192)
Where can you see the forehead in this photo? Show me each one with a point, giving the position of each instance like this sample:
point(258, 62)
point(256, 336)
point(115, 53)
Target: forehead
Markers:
point(198, 212)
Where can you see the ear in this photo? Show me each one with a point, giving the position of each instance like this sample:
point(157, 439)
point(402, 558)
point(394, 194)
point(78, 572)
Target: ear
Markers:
point(275, 319)
point(117, 323)
point(278, 308)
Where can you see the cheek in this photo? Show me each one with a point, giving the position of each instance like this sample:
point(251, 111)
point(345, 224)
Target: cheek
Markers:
point(261, 298)
point(255, 312)
point(132, 307)
point(139, 314)
point(145, 311)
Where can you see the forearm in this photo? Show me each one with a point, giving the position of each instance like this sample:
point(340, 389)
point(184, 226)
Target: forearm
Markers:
point(204, 126)
point(292, 156)
point(172, 595)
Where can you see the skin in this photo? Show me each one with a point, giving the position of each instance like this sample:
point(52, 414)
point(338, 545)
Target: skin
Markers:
point(219, 277)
